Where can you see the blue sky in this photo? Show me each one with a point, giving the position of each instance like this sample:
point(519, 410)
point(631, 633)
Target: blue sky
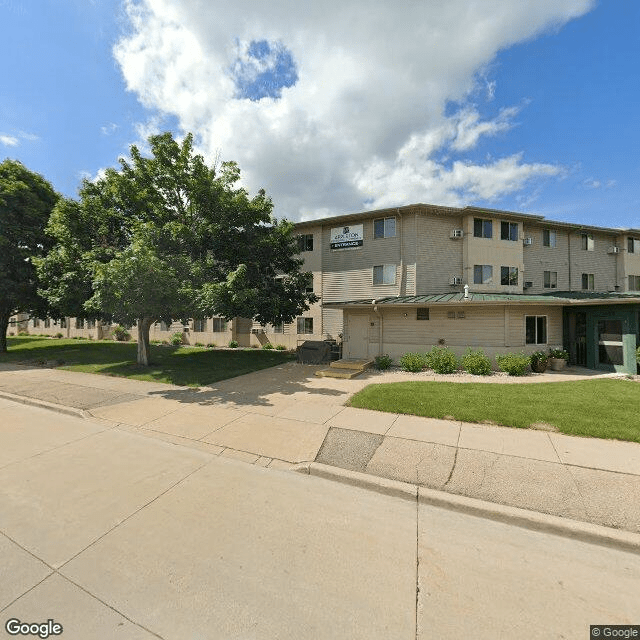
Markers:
point(534, 109)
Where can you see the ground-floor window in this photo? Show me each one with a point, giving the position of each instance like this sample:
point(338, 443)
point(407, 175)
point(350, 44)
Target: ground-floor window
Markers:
point(482, 274)
point(199, 324)
point(164, 326)
point(91, 324)
point(36, 322)
point(305, 325)
point(47, 323)
point(550, 279)
point(588, 281)
point(79, 323)
point(63, 323)
point(536, 329)
point(278, 328)
point(219, 325)
point(509, 276)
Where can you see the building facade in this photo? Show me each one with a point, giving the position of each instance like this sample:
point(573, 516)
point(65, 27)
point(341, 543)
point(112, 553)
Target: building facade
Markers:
point(407, 278)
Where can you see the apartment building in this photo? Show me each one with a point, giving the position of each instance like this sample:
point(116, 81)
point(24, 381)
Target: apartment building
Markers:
point(407, 278)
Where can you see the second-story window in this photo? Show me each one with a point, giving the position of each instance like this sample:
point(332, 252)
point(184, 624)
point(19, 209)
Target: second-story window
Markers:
point(482, 228)
point(308, 285)
point(634, 283)
point(482, 274)
point(384, 274)
point(550, 279)
point(588, 281)
point(549, 238)
point(633, 245)
point(384, 228)
point(305, 242)
point(509, 276)
point(587, 242)
point(509, 231)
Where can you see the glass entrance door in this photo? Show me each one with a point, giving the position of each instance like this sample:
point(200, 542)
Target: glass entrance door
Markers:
point(610, 345)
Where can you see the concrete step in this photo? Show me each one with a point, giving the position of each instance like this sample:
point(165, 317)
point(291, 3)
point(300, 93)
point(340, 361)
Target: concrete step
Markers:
point(352, 363)
point(339, 373)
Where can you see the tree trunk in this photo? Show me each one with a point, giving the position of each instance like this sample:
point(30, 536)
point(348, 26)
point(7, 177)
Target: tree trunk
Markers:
point(144, 324)
point(4, 325)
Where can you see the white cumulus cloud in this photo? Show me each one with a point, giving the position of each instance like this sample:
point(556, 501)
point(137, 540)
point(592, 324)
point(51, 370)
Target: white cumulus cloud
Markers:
point(367, 121)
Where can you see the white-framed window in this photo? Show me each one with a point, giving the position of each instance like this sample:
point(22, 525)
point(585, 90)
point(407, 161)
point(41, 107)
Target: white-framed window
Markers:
point(509, 231)
point(384, 274)
point(482, 274)
point(36, 323)
point(482, 228)
point(79, 323)
point(588, 281)
point(47, 323)
point(535, 329)
point(305, 325)
point(384, 228)
point(633, 245)
point(219, 325)
point(634, 283)
point(199, 324)
point(305, 242)
point(308, 288)
point(63, 323)
point(549, 238)
point(509, 276)
point(587, 242)
point(278, 328)
point(550, 279)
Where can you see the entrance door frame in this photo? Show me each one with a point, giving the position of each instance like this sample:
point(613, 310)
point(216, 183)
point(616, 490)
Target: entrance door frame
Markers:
point(357, 325)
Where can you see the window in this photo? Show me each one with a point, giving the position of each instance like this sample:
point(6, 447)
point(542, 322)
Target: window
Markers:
point(482, 274)
point(384, 274)
point(634, 283)
point(587, 242)
point(219, 325)
point(509, 231)
point(47, 323)
point(63, 323)
point(278, 328)
point(482, 228)
point(550, 279)
point(91, 324)
point(305, 242)
point(384, 228)
point(549, 238)
point(422, 313)
point(588, 281)
point(199, 324)
point(536, 329)
point(36, 322)
point(308, 288)
point(633, 245)
point(305, 325)
point(164, 326)
point(79, 323)
point(509, 276)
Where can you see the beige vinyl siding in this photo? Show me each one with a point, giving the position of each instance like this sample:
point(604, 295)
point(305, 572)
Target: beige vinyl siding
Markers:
point(516, 328)
point(602, 264)
point(348, 273)
point(538, 259)
point(332, 323)
point(438, 257)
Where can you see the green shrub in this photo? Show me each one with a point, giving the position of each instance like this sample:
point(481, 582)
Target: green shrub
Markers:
point(638, 355)
point(441, 360)
point(267, 346)
point(121, 334)
point(176, 338)
point(413, 362)
point(280, 347)
point(211, 345)
point(515, 364)
point(58, 335)
point(199, 344)
point(476, 363)
point(233, 344)
point(383, 362)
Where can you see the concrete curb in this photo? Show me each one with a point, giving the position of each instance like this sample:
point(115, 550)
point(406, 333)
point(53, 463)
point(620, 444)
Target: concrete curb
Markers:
point(533, 520)
point(43, 404)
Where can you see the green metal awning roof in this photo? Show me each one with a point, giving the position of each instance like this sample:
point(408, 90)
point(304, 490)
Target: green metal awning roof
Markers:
point(555, 298)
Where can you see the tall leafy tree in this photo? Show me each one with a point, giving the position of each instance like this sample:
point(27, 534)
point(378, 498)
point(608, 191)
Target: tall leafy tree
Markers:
point(167, 237)
point(26, 202)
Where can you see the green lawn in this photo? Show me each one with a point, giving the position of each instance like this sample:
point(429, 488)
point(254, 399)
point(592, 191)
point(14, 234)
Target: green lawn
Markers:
point(191, 366)
point(598, 408)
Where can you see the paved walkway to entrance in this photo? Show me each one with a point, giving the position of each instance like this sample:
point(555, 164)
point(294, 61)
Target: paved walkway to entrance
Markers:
point(285, 415)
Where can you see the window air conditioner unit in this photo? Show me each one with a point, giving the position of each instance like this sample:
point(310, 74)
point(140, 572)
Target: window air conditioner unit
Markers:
point(457, 233)
point(528, 284)
point(614, 249)
point(455, 280)
point(527, 242)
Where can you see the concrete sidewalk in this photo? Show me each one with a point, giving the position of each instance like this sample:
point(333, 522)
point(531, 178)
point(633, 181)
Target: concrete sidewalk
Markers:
point(284, 416)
